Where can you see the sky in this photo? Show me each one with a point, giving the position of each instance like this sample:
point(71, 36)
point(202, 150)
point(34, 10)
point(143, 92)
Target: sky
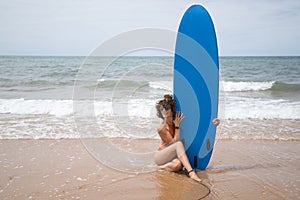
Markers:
point(77, 27)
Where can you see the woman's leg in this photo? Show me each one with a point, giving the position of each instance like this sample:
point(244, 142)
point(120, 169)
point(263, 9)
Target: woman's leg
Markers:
point(175, 165)
point(175, 150)
point(171, 152)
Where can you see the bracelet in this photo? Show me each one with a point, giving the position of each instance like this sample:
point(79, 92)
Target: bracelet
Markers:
point(177, 127)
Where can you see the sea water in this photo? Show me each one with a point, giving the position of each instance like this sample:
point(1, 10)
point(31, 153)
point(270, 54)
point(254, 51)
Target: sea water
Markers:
point(42, 97)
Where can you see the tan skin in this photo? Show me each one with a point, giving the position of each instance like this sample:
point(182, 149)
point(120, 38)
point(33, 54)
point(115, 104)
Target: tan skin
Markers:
point(172, 146)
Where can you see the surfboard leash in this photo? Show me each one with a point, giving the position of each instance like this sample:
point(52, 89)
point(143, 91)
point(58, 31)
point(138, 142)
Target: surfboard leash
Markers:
point(208, 189)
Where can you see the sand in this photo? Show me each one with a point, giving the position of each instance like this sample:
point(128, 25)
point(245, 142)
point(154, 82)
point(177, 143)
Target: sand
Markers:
point(64, 169)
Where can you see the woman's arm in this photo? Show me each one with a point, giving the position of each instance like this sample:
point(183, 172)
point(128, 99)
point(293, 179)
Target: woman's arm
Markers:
point(177, 122)
point(176, 136)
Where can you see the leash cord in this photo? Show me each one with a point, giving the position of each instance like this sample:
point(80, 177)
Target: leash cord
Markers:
point(208, 193)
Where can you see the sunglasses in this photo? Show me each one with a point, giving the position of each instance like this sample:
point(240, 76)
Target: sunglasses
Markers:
point(166, 108)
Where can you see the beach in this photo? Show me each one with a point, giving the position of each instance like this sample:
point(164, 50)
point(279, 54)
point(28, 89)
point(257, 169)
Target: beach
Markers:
point(83, 128)
point(64, 169)
point(81, 82)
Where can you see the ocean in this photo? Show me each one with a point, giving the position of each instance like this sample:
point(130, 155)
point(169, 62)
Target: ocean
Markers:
point(42, 97)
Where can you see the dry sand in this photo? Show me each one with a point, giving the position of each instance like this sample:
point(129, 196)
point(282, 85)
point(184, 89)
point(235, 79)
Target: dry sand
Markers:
point(64, 169)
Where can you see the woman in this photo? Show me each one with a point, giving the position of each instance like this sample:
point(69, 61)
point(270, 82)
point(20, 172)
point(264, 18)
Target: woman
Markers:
point(171, 154)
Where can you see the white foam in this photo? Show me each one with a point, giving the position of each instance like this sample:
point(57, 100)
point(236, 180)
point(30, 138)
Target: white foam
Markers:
point(233, 108)
point(162, 85)
point(130, 107)
point(230, 86)
point(244, 108)
point(134, 118)
point(141, 107)
point(227, 86)
point(22, 106)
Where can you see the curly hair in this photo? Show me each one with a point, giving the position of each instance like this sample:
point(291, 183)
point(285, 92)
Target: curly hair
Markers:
point(168, 100)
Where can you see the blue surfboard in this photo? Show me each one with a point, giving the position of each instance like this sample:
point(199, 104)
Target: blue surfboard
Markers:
point(196, 83)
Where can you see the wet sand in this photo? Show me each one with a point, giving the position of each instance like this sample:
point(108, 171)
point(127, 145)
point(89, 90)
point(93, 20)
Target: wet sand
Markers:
point(64, 169)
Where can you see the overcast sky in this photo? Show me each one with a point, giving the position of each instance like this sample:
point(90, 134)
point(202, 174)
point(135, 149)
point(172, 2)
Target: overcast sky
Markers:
point(76, 27)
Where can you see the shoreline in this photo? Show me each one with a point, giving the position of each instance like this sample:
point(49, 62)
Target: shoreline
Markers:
point(64, 169)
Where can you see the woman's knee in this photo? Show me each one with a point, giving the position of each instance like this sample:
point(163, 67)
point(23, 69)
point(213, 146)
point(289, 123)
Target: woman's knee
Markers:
point(179, 144)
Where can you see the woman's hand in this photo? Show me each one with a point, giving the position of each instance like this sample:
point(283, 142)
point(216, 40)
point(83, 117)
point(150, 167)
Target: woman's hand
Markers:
point(177, 121)
point(179, 117)
point(216, 121)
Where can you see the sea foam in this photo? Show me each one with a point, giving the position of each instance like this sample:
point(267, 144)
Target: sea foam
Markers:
point(230, 86)
point(233, 108)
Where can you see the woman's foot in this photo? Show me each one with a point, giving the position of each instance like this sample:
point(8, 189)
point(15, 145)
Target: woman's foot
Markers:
point(192, 174)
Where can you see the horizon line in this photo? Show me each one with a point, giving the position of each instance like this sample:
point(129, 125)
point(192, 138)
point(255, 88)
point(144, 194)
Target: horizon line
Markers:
point(51, 55)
